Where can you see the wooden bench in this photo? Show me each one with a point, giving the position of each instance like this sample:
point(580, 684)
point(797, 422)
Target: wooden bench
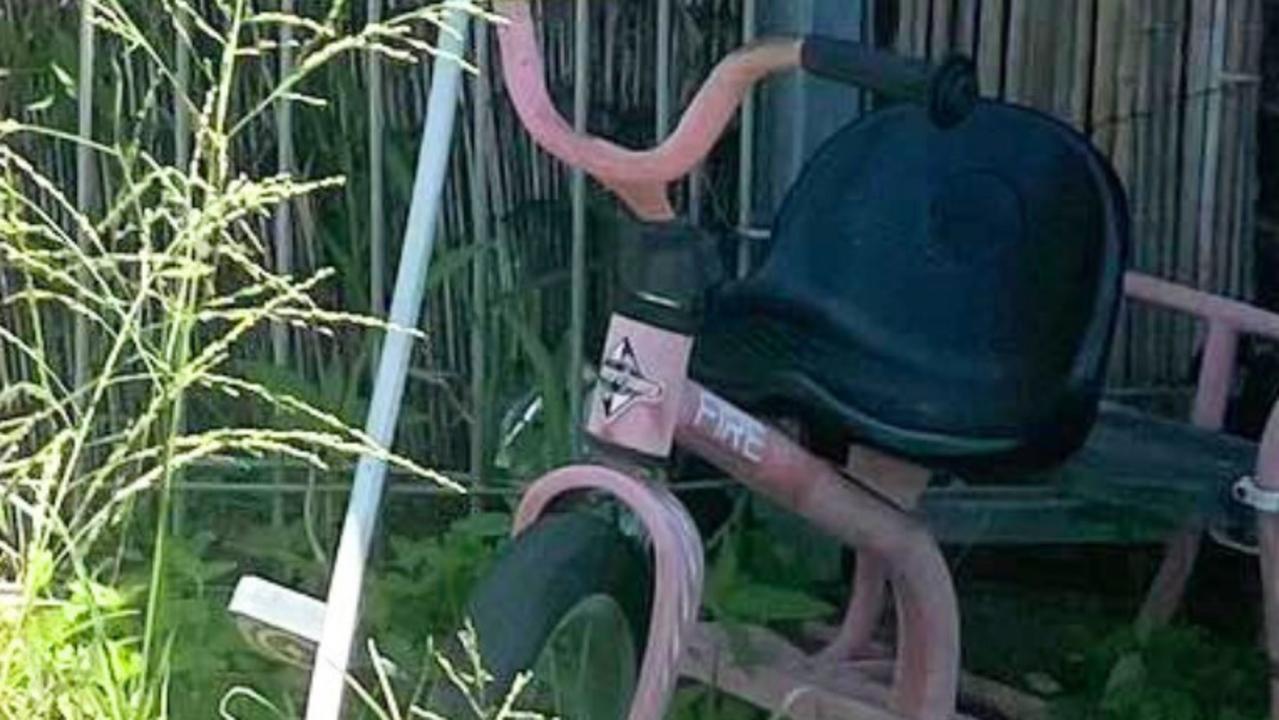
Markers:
point(1136, 480)
point(1139, 478)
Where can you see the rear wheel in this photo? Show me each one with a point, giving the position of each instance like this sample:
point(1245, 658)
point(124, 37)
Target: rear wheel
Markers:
point(569, 603)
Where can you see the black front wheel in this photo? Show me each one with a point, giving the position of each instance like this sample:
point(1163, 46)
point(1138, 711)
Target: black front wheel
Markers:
point(568, 603)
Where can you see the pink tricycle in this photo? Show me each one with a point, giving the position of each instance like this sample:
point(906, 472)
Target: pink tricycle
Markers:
point(938, 292)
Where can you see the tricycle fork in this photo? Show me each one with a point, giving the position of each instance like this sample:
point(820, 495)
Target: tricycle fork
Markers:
point(645, 403)
point(677, 550)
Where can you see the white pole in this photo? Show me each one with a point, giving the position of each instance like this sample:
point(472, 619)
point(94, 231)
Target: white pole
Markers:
point(342, 609)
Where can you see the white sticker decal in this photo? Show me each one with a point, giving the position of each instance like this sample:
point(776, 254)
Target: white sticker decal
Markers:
point(623, 383)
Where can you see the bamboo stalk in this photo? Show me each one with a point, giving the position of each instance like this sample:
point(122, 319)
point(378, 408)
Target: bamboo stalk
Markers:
point(697, 178)
point(746, 156)
point(990, 51)
point(904, 39)
point(966, 27)
point(663, 70)
point(1198, 78)
point(283, 228)
point(1052, 39)
point(612, 14)
point(481, 235)
point(1127, 93)
point(181, 159)
point(1020, 60)
point(1085, 37)
point(1105, 64)
point(1223, 246)
point(1250, 115)
point(1211, 146)
point(1163, 109)
point(1181, 329)
point(869, 36)
point(452, 218)
point(1229, 237)
point(501, 180)
point(181, 115)
point(1105, 109)
point(922, 27)
point(84, 172)
point(9, 319)
point(1250, 74)
point(1058, 34)
point(1144, 167)
point(377, 171)
point(577, 332)
point(942, 19)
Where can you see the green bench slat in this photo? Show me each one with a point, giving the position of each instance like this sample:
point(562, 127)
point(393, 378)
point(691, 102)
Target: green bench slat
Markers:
point(1137, 478)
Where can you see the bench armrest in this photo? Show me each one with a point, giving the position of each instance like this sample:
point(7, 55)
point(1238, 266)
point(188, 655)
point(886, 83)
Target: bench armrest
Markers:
point(1238, 316)
point(1226, 319)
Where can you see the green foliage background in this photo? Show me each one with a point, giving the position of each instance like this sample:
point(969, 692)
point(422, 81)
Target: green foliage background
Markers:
point(73, 648)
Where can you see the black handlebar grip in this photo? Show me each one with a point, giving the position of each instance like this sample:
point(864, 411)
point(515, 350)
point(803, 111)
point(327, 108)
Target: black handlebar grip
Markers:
point(949, 90)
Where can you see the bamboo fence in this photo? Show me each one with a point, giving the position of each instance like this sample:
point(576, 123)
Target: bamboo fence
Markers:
point(1166, 88)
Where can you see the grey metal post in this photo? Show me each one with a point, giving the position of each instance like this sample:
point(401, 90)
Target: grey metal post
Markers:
point(328, 678)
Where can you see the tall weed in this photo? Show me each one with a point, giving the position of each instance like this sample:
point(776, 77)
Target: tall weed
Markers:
point(173, 278)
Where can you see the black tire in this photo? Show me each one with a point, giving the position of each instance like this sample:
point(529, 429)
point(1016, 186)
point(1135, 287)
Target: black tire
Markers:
point(549, 572)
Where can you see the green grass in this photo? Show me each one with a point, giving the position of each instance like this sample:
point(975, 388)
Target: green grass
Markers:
point(146, 300)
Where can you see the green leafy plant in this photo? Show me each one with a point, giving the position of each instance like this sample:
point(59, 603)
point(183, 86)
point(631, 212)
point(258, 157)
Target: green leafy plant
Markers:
point(381, 699)
point(122, 318)
point(67, 654)
point(1179, 673)
point(423, 587)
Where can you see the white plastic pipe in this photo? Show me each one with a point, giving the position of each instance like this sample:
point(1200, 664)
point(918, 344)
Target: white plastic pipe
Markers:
point(342, 610)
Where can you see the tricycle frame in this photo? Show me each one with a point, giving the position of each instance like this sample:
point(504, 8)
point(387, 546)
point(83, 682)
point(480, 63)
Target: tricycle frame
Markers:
point(892, 542)
point(651, 402)
point(841, 681)
point(893, 545)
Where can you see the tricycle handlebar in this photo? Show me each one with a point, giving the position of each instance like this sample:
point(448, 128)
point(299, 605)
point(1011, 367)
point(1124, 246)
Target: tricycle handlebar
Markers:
point(949, 90)
point(640, 177)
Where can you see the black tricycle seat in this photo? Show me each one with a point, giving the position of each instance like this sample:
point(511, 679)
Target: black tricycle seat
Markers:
point(946, 295)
